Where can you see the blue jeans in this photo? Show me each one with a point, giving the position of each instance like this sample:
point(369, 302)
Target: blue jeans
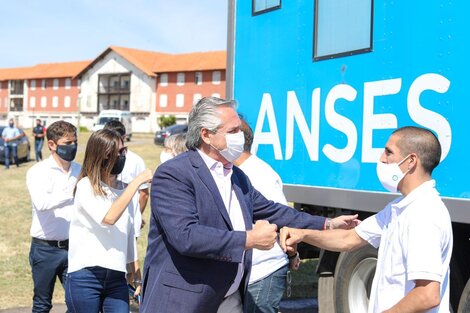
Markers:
point(13, 149)
point(97, 289)
point(47, 263)
point(38, 149)
point(265, 295)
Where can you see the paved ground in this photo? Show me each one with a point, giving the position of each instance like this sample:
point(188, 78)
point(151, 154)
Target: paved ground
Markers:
point(287, 306)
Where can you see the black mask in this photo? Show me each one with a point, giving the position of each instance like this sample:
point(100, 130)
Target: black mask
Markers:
point(119, 165)
point(11, 125)
point(67, 152)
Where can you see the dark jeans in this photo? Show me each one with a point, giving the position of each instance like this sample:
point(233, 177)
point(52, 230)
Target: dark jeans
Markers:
point(38, 149)
point(13, 150)
point(264, 296)
point(47, 263)
point(97, 289)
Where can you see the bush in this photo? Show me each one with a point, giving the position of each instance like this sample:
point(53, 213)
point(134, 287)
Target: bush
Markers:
point(165, 121)
point(83, 129)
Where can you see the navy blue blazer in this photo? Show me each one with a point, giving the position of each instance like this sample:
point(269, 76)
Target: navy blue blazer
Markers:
point(193, 252)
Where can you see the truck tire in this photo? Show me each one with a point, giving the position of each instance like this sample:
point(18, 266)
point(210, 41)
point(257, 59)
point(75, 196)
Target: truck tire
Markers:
point(354, 274)
point(464, 304)
point(326, 298)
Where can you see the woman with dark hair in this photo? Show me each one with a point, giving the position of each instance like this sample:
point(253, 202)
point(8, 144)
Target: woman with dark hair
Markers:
point(101, 239)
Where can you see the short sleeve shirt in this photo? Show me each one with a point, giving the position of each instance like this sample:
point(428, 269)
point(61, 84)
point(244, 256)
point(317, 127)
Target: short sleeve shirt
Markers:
point(10, 132)
point(414, 237)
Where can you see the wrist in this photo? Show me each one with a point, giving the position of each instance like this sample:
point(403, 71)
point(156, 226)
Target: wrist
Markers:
point(137, 282)
point(328, 224)
point(293, 256)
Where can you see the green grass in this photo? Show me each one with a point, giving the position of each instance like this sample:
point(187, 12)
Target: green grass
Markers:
point(16, 288)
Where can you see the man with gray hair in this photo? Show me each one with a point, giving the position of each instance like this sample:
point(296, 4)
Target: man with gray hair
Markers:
point(201, 226)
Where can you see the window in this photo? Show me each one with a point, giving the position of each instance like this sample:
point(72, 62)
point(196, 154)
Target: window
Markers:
point(198, 78)
point(55, 84)
point(68, 83)
point(180, 100)
point(79, 83)
point(163, 101)
point(43, 84)
point(43, 102)
point(180, 79)
point(164, 80)
point(67, 101)
point(114, 91)
point(33, 84)
point(16, 87)
point(342, 28)
point(32, 102)
point(216, 95)
point(216, 77)
point(196, 98)
point(262, 6)
point(55, 102)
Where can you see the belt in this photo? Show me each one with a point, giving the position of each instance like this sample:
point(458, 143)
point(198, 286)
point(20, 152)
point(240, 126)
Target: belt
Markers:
point(61, 244)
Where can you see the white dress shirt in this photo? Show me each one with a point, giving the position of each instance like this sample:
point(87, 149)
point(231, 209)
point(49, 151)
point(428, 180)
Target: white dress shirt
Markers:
point(269, 184)
point(132, 168)
point(222, 176)
point(51, 192)
point(93, 243)
point(414, 236)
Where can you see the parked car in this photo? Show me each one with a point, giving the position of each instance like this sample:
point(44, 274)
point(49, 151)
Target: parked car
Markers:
point(170, 130)
point(24, 148)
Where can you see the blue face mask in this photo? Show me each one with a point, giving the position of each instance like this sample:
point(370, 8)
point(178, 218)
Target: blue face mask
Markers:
point(67, 152)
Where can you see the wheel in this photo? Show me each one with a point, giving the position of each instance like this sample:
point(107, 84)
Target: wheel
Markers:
point(464, 304)
point(353, 279)
point(326, 303)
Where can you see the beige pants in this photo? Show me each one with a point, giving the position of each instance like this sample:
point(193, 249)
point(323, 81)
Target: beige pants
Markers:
point(231, 304)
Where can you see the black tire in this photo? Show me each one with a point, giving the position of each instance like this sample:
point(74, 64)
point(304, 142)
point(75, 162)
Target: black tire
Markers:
point(353, 279)
point(326, 298)
point(464, 304)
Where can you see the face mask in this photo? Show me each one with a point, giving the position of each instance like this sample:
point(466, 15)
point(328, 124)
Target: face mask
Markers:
point(11, 125)
point(67, 152)
point(390, 175)
point(235, 143)
point(119, 165)
point(165, 156)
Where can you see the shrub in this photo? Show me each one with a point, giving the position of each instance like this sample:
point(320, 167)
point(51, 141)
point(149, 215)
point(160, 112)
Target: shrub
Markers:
point(165, 121)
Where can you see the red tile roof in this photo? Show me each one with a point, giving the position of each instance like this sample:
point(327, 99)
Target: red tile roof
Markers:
point(49, 70)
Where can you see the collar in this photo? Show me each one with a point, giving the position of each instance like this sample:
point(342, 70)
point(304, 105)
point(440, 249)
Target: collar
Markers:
point(424, 188)
point(52, 164)
point(216, 166)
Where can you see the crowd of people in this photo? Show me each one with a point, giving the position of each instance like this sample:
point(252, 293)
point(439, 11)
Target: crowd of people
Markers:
point(216, 212)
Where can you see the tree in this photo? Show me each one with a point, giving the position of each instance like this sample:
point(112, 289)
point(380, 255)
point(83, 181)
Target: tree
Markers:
point(165, 121)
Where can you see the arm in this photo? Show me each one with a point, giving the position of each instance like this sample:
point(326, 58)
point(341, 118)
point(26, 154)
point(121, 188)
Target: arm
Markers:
point(423, 297)
point(119, 206)
point(333, 240)
point(143, 199)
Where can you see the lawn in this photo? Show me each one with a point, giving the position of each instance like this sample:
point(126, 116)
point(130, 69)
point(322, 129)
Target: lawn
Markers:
point(15, 213)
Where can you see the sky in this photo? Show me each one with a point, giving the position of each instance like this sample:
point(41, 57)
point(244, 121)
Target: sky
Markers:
point(48, 31)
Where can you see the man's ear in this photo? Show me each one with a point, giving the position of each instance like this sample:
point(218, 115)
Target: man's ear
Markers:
point(413, 160)
point(205, 135)
point(52, 145)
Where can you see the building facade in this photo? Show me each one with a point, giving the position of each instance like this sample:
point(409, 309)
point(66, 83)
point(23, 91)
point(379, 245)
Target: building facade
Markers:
point(146, 83)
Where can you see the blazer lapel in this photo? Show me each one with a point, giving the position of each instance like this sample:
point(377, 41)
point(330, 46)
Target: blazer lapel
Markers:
point(204, 174)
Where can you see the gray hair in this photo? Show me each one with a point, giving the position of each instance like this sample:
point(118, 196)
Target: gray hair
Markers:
point(204, 115)
point(176, 143)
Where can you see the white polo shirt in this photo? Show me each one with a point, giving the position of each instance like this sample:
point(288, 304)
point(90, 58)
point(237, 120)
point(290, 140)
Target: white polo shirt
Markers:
point(92, 243)
point(51, 192)
point(414, 237)
point(132, 168)
point(269, 184)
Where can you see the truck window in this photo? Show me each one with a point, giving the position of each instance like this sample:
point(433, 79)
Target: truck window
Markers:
point(342, 28)
point(262, 6)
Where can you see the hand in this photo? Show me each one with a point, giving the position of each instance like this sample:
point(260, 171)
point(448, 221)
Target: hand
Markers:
point(294, 261)
point(289, 238)
point(263, 236)
point(345, 222)
point(144, 177)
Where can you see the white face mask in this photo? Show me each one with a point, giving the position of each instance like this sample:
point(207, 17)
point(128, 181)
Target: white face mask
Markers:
point(165, 156)
point(235, 143)
point(390, 174)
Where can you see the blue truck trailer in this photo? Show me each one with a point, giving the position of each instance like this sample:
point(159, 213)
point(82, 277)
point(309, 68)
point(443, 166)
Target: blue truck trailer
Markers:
point(324, 83)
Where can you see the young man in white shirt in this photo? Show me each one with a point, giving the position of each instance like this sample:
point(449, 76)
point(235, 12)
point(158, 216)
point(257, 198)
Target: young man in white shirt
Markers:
point(51, 183)
point(10, 136)
point(413, 233)
point(269, 267)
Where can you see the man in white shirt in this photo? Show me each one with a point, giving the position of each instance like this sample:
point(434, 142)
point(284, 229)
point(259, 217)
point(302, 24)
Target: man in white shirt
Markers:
point(10, 136)
point(269, 267)
point(413, 233)
point(51, 183)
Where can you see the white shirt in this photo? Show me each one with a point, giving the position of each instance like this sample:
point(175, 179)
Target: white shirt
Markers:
point(132, 168)
point(269, 184)
point(222, 177)
point(414, 236)
point(93, 243)
point(51, 192)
